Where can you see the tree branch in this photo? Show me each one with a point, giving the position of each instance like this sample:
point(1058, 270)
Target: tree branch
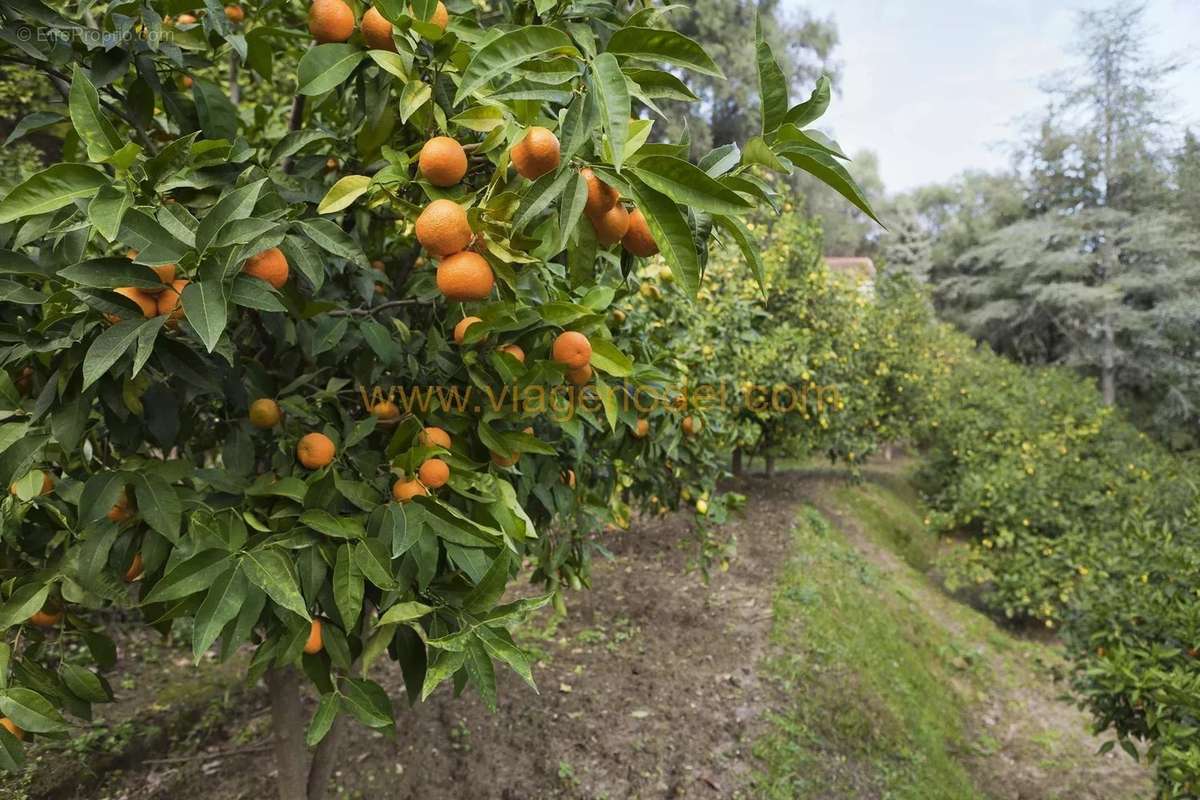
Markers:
point(324, 759)
point(370, 312)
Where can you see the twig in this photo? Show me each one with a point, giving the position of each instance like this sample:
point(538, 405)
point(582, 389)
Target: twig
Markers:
point(258, 748)
point(370, 312)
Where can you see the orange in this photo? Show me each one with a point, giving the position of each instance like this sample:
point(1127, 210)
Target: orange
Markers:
point(269, 265)
point(569, 478)
point(443, 229)
point(465, 276)
point(120, 510)
point(431, 437)
point(387, 412)
point(691, 425)
point(315, 450)
point(434, 473)
point(330, 21)
point(642, 430)
point(600, 196)
point(186, 19)
point(404, 491)
point(265, 413)
point(135, 569)
point(46, 619)
point(186, 81)
point(145, 302)
point(379, 264)
point(442, 162)
point(505, 461)
point(581, 376)
point(513, 350)
point(618, 315)
point(331, 165)
point(536, 154)
point(611, 225)
point(441, 16)
point(24, 381)
point(460, 330)
point(572, 349)
point(638, 239)
point(169, 301)
point(377, 31)
point(11, 727)
point(314, 643)
point(235, 13)
point(166, 274)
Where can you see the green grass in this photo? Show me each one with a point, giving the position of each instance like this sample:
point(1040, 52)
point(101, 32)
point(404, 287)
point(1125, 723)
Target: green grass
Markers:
point(870, 709)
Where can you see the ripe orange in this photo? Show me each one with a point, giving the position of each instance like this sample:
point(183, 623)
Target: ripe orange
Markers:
point(135, 569)
point(443, 229)
point(404, 490)
point(569, 478)
point(505, 461)
point(166, 274)
point(314, 643)
point(169, 301)
point(377, 31)
point(572, 349)
point(315, 450)
point(186, 81)
point(235, 13)
point(434, 473)
point(581, 376)
point(513, 350)
point(269, 265)
point(387, 412)
point(186, 19)
point(145, 302)
point(120, 510)
point(12, 728)
point(46, 619)
point(611, 226)
point(600, 196)
point(460, 330)
point(331, 164)
point(536, 154)
point(692, 425)
point(330, 21)
point(431, 437)
point(642, 430)
point(465, 276)
point(442, 162)
point(265, 413)
point(638, 239)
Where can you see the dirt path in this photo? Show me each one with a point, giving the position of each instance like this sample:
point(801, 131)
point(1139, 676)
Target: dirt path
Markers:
point(1029, 743)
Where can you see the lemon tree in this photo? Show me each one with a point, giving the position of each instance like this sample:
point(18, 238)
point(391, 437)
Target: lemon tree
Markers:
point(264, 221)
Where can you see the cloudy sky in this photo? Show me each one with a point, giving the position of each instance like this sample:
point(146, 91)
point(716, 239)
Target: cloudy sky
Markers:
point(933, 86)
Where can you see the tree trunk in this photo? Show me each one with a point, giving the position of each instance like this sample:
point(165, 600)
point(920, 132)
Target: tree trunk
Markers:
point(324, 760)
point(770, 470)
point(287, 723)
point(1108, 366)
point(737, 462)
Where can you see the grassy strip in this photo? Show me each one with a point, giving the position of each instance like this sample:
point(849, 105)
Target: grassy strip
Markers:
point(871, 711)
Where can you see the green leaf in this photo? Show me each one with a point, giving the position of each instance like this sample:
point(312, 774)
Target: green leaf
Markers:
point(51, 189)
point(322, 721)
point(273, 571)
point(500, 645)
point(442, 665)
point(30, 711)
point(745, 242)
point(612, 98)
point(481, 671)
point(509, 50)
point(221, 605)
point(147, 336)
point(85, 684)
point(25, 601)
point(107, 209)
point(368, 703)
point(347, 587)
point(189, 577)
point(544, 191)
point(688, 185)
point(233, 205)
point(111, 273)
point(415, 95)
point(337, 527)
point(204, 304)
point(484, 596)
point(814, 107)
point(326, 66)
point(218, 116)
point(249, 292)
point(404, 612)
point(374, 560)
point(108, 348)
point(158, 503)
point(332, 239)
point(772, 83)
point(95, 131)
point(673, 235)
point(789, 135)
point(658, 84)
point(481, 119)
point(833, 174)
point(154, 243)
point(671, 47)
point(607, 358)
point(343, 193)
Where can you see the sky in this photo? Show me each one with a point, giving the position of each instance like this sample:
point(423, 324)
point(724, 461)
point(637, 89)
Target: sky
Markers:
point(937, 86)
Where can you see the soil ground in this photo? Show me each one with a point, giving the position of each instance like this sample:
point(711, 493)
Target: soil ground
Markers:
point(655, 686)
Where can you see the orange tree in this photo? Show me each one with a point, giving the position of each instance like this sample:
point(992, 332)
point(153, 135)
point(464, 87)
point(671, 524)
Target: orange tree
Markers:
point(208, 303)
